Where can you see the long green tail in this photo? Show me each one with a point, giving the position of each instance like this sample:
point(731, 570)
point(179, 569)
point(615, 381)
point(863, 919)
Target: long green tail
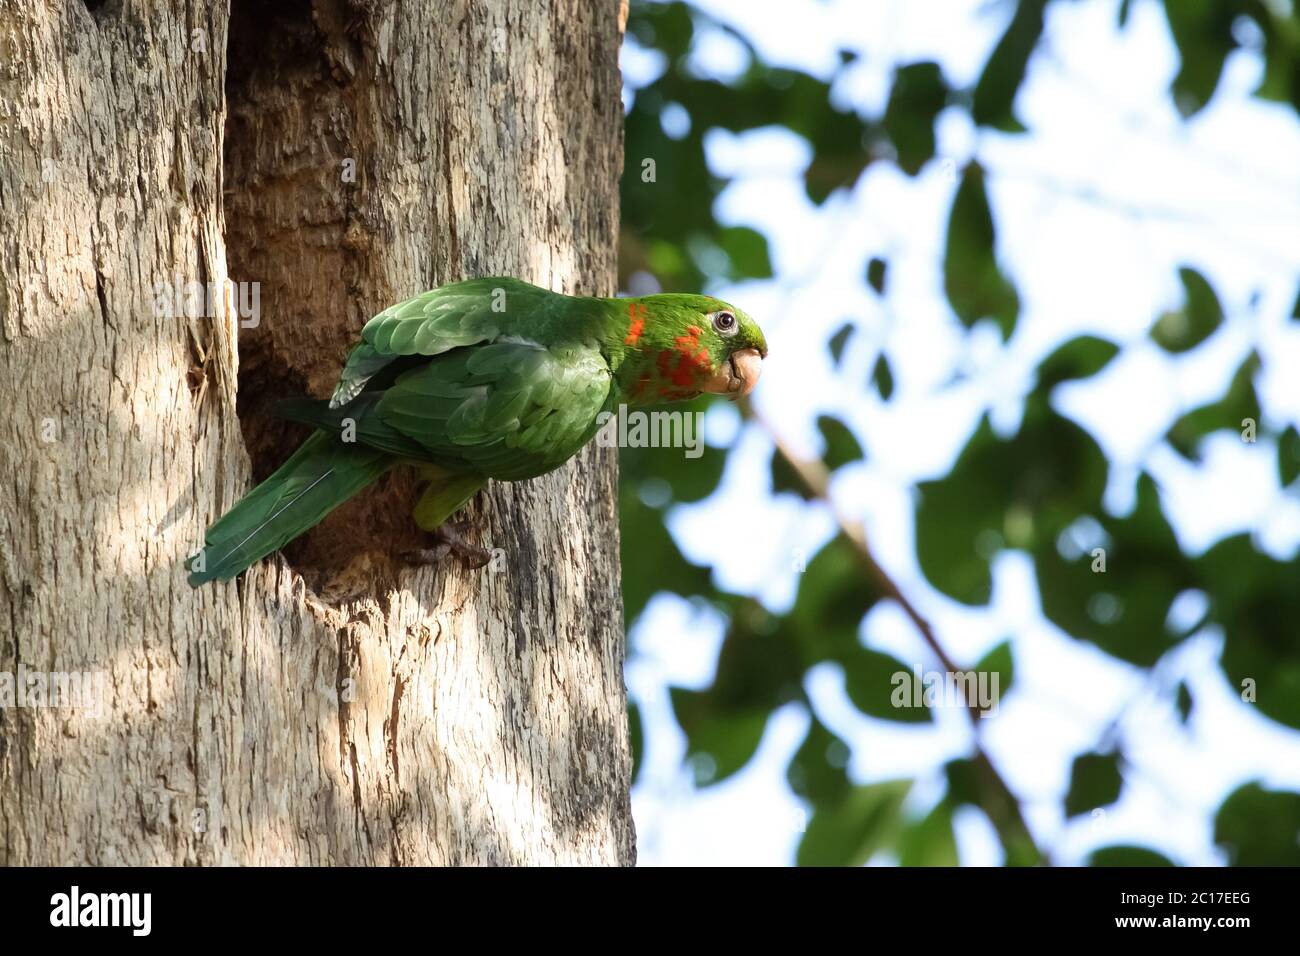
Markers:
point(322, 474)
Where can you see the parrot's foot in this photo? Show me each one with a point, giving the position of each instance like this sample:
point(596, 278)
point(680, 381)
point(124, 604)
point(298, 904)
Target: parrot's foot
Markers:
point(449, 539)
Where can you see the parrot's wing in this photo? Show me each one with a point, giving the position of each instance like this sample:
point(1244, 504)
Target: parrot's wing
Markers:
point(508, 410)
point(434, 322)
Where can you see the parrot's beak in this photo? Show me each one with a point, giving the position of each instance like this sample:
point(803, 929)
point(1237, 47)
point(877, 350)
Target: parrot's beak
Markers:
point(738, 375)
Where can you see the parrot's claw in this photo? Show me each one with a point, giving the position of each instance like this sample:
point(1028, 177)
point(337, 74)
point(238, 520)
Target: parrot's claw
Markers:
point(449, 539)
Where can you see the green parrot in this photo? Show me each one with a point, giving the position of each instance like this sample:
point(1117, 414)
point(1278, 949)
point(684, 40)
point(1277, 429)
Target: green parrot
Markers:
point(488, 378)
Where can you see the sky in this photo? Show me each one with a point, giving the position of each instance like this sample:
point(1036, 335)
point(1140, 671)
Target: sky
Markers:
point(1096, 207)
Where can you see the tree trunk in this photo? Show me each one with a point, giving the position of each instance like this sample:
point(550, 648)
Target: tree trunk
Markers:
point(333, 706)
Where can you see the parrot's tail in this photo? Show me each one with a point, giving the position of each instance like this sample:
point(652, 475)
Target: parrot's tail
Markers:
point(322, 474)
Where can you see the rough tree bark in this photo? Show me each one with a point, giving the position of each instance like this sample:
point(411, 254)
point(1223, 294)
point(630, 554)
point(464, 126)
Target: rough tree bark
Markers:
point(333, 706)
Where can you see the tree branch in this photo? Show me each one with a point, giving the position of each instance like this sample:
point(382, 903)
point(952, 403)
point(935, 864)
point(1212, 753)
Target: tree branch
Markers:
point(1001, 803)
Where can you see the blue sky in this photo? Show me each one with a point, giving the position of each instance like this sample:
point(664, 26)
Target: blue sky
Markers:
point(1097, 207)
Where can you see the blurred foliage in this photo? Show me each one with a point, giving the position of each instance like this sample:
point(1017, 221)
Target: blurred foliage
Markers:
point(1105, 579)
point(1127, 856)
point(974, 284)
point(1195, 321)
point(1258, 827)
point(1095, 783)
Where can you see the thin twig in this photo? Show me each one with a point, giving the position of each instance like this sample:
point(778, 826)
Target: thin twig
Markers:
point(815, 478)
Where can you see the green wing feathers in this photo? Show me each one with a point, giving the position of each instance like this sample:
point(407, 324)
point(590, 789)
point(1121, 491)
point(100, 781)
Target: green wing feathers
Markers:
point(322, 474)
point(437, 321)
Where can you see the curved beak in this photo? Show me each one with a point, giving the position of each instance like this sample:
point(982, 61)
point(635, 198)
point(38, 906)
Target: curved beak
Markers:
point(738, 375)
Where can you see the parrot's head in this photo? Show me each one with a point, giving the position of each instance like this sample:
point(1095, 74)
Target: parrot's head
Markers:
point(682, 345)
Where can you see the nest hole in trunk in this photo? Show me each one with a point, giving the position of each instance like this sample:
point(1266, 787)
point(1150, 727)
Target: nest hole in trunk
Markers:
point(292, 220)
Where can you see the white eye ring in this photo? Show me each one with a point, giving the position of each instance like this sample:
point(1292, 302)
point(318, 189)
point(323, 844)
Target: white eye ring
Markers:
point(724, 322)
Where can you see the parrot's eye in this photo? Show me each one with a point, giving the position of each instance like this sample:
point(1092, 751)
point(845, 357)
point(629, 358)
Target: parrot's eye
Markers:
point(725, 323)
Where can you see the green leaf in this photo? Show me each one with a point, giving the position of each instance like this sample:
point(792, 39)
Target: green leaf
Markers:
point(1288, 456)
point(1259, 827)
point(718, 742)
point(956, 523)
point(1127, 856)
point(1196, 321)
point(760, 664)
point(666, 27)
point(817, 770)
point(1005, 71)
point(636, 737)
point(1001, 662)
point(867, 820)
point(877, 270)
point(1020, 493)
point(1256, 602)
point(841, 445)
point(1239, 404)
point(930, 841)
point(1095, 781)
point(839, 340)
point(1203, 34)
point(666, 259)
point(1123, 608)
point(870, 679)
point(918, 95)
point(786, 479)
point(882, 377)
point(972, 279)
point(650, 558)
point(1081, 357)
point(1184, 702)
point(834, 595)
point(747, 250)
point(1281, 81)
point(963, 782)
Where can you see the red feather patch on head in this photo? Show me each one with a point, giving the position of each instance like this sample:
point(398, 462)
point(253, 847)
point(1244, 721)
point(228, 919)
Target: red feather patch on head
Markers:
point(668, 373)
point(636, 312)
point(683, 368)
